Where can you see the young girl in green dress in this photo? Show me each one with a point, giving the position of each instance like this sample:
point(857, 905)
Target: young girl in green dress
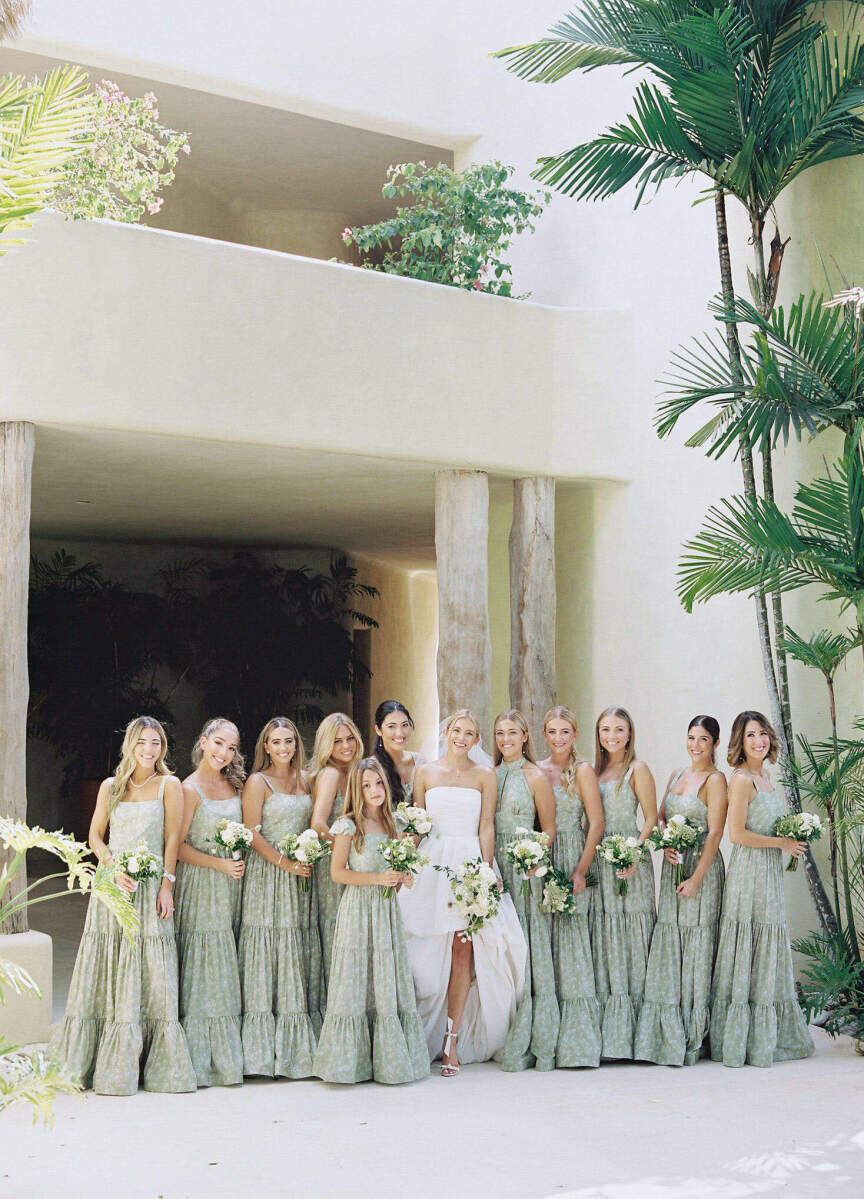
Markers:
point(577, 804)
point(755, 1015)
point(280, 948)
point(121, 1023)
point(524, 798)
point(338, 746)
point(673, 1023)
point(209, 891)
point(371, 1029)
point(621, 925)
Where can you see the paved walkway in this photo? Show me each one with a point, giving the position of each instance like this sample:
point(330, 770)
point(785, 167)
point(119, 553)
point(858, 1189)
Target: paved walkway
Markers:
point(622, 1132)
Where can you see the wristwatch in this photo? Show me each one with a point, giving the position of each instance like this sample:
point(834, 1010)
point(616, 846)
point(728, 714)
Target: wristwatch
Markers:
point(170, 877)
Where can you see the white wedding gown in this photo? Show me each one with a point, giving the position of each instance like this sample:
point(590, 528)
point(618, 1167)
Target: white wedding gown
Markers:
point(499, 947)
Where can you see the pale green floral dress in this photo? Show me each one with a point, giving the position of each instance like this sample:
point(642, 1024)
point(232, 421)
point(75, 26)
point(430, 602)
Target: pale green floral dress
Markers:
point(755, 1015)
point(579, 1033)
point(327, 895)
point(621, 927)
point(533, 1034)
point(408, 788)
point(371, 1029)
point(280, 953)
point(673, 1023)
point(207, 919)
point(121, 1023)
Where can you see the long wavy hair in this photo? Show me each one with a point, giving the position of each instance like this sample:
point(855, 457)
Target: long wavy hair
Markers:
point(355, 807)
point(235, 771)
point(575, 759)
point(514, 715)
point(601, 755)
point(262, 760)
point(397, 788)
point(325, 739)
point(126, 766)
point(735, 755)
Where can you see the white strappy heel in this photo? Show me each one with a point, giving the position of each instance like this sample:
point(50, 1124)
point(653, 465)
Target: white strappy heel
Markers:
point(448, 1071)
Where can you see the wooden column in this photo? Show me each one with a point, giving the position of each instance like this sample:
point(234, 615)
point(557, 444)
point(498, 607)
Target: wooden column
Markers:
point(533, 601)
point(16, 467)
point(461, 550)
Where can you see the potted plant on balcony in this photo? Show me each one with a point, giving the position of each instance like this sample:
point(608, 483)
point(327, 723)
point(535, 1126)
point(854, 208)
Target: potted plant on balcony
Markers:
point(93, 654)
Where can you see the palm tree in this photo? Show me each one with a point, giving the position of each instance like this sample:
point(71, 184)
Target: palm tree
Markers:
point(13, 14)
point(747, 94)
point(43, 123)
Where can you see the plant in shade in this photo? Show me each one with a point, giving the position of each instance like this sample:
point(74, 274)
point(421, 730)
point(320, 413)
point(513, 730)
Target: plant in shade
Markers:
point(455, 229)
point(127, 159)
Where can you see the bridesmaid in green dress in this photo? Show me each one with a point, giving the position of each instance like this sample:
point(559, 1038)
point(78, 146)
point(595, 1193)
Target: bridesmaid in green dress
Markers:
point(755, 1015)
point(393, 728)
point(338, 745)
point(280, 948)
point(577, 799)
point(621, 925)
point(121, 1023)
point(673, 1023)
point(524, 798)
point(372, 1029)
point(209, 891)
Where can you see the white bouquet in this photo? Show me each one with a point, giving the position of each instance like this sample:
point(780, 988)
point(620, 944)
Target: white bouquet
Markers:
point(233, 836)
point(680, 834)
point(476, 895)
point(528, 851)
point(400, 853)
point(558, 897)
point(413, 820)
point(622, 853)
point(307, 848)
point(800, 826)
point(139, 863)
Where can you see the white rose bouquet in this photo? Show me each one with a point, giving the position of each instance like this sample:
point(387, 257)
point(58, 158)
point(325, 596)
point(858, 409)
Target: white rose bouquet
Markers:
point(413, 820)
point(400, 853)
point(558, 897)
point(233, 836)
point(528, 851)
point(476, 897)
point(800, 826)
point(139, 863)
point(680, 834)
point(622, 853)
point(307, 848)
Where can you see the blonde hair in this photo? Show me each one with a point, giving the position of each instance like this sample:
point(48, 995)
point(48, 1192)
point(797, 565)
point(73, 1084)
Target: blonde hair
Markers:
point(514, 715)
point(461, 714)
point(235, 771)
point(575, 760)
point(325, 739)
point(735, 755)
point(354, 803)
point(126, 765)
point(601, 755)
point(262, 760)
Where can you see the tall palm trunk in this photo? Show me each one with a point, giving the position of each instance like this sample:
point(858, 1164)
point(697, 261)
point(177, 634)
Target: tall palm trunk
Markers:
point(814, 880)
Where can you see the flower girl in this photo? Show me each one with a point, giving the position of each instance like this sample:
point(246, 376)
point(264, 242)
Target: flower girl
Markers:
point(371, 1029)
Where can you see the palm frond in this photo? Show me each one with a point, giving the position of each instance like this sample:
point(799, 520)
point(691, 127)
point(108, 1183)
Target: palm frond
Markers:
point(33, 1078)
point(823, 650)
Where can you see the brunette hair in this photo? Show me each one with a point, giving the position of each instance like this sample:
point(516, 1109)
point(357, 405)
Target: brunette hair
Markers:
point(710, 725)
point(735, 755)
point(235, 771)
point(601, 755)
point(262, 760)
point(354, 804)
point(397, 788)
point(516, 717)
point(126, 766)
point(568, 774)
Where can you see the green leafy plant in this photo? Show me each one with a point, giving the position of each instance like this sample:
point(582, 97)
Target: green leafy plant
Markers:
point(456, 228)
point(832, 983)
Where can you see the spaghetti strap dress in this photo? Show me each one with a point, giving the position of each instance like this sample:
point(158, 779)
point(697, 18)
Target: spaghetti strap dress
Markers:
point(121, 1026)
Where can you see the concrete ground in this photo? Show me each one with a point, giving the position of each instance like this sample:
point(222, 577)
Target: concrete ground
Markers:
point(626, 1131)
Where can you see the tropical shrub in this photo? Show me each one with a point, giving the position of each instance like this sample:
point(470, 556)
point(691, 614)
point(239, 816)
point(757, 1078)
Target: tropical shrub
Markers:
point(456, 228)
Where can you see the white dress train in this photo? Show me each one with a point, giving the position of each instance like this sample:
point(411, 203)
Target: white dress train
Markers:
point(499, 947)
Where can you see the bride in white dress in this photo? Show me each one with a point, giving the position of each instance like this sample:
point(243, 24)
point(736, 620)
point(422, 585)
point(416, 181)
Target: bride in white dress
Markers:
point(467, 991)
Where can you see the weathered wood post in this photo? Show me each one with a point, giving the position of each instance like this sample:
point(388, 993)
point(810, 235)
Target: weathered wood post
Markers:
point(462, 551)
point(16, 469)
point(533, 601)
